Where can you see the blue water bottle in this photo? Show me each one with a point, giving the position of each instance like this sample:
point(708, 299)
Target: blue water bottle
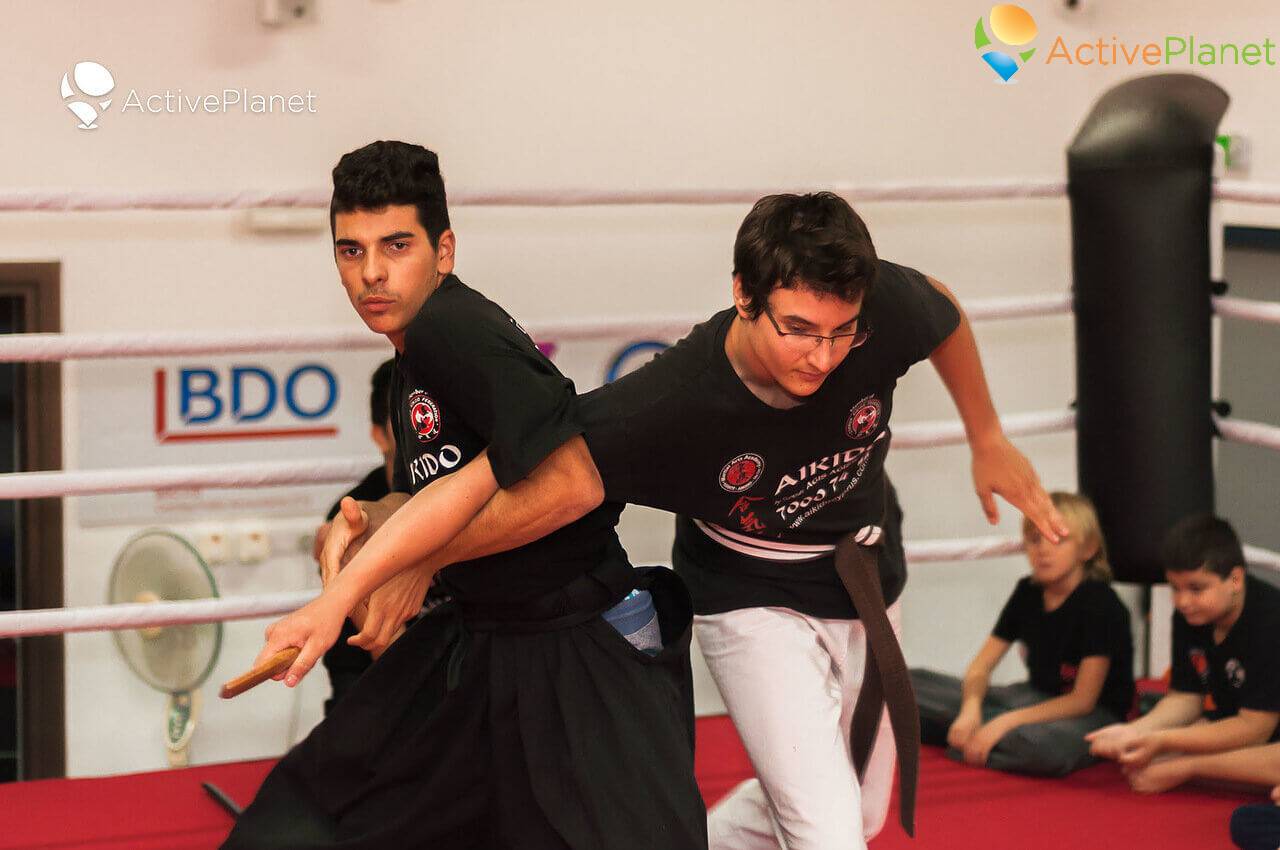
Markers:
point(636, 619)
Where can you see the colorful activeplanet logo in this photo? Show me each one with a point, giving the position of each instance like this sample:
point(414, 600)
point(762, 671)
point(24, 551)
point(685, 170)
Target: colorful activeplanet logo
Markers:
point(999, 36)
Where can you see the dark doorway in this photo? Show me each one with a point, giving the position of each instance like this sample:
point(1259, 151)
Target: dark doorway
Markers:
point(32, 713)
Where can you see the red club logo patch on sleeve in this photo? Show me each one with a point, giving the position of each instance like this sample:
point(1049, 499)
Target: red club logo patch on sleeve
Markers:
point(864, 418)
point(424, 416)
point(742, 472)
point(1199, 663)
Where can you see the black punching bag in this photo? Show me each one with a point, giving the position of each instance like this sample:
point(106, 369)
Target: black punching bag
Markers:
point(1140, 182)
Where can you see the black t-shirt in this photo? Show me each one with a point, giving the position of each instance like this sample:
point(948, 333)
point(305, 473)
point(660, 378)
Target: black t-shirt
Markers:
point(471, 378)
point(1092, 621)
point(1244, 670)
point(764, 493)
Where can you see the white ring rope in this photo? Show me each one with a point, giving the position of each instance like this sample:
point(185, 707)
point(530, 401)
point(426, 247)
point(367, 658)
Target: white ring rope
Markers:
point(54, 200)
point(1259, 557)
point(1246, 308)
point(1239, 190)
point(137, 615)
point(958, 549)
point(1253, 433)
point(20, 348)
point(922, 435)
point(913, 435)
point(43, 485)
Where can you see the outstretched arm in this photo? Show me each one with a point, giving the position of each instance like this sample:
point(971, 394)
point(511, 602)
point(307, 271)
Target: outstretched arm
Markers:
point(560, 490)
point(422, 525)
point(1248, 766)
point(973, 690)
point(998, 467)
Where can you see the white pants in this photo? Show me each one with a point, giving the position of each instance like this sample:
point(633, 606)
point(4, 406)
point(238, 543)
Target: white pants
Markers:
point(790, 683)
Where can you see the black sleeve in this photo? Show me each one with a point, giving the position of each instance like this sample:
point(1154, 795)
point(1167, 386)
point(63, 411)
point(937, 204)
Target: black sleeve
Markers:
point(494, 377)
point(1182, 676)
point(1007, 623)
point(1260, 690)
point(909, 316)
point(638, 435)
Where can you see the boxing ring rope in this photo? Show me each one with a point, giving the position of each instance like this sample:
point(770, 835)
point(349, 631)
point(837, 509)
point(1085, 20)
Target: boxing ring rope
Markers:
point(1253, 433)
point(1244, 308)
point(90, 482)
point(138, 615)
point(914, 435)
point(20, 348)
point(30, 348)
point(51, 200)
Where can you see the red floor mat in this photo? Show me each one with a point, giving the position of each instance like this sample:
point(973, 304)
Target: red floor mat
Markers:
point(961, 808)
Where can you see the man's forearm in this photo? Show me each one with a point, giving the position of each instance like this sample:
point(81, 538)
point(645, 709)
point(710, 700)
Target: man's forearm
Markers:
point(1231, 733)
point(562, 489)
point(1250, 766)
point(973, 690)
point(420, 527)
point(960, 367)
point(1172, 711)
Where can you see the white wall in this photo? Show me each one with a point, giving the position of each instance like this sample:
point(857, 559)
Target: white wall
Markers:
point(561, 93)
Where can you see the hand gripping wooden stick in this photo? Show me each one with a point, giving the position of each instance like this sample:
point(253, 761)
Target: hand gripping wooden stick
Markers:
point(282, 660)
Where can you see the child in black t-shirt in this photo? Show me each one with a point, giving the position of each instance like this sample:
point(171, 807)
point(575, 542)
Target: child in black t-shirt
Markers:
point(1079, 653)
point(1226, 645)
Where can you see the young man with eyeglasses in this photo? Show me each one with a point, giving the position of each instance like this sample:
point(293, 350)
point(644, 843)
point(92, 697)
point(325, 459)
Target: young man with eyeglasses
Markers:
point(766, 430)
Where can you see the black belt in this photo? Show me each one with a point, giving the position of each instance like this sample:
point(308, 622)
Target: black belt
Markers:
point(587, 596)
point(885, 681)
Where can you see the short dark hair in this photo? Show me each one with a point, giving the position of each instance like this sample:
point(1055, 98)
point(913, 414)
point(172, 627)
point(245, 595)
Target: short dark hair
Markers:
point(383, 174)
point(1202, 540)
point(380, 393)
point(814, 240)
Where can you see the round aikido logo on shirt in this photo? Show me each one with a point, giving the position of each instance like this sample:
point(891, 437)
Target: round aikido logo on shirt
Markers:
point(864, 418)
point(1235, 673)
point(424, 415)
point(742, 472)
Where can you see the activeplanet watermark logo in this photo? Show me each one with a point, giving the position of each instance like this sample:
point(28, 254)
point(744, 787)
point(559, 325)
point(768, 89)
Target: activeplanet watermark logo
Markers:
point(1003, 39)
point(85, 89)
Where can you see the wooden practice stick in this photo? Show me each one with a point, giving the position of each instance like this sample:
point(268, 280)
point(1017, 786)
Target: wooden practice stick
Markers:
point(282, 660)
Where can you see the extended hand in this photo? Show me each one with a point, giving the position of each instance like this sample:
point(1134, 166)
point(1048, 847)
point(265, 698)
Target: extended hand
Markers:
point(390, 606)
point(347, 533)
point(962, 730)
point(313, 628)
point(980, 744)
point(1140, 751)
point(1109, 741)
point(1000, 469)
point(354, 524)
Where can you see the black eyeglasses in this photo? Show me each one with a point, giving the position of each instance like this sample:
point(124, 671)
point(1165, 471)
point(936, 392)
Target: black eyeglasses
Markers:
point(802, 343)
